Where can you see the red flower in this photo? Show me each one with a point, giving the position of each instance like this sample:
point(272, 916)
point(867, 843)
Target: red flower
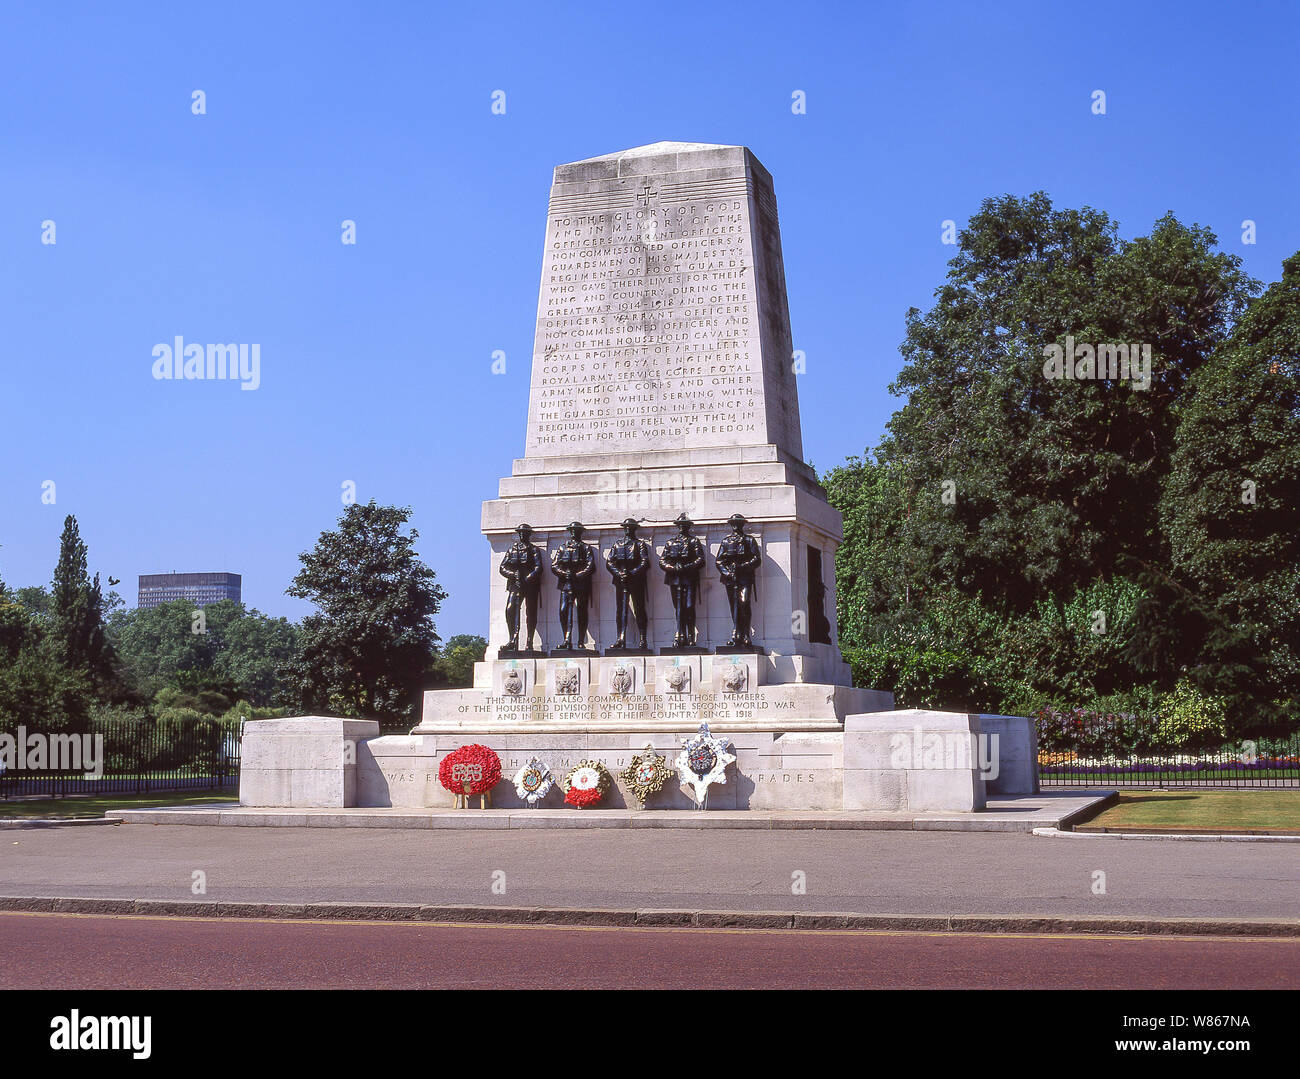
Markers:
point(583, 799)
point(473, 764)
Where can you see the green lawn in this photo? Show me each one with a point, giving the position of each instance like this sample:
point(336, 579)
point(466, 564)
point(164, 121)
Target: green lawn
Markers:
point(1203, 811)
point(95, 805)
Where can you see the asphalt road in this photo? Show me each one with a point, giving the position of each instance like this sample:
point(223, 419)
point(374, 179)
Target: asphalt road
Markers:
point(51, 951)
point(859, 871)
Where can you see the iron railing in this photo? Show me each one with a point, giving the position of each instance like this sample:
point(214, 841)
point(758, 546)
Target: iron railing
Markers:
point(120, 756)
point(1095, 749)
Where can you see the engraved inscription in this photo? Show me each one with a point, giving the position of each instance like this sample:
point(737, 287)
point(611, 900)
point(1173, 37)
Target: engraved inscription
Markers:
point(648, 327)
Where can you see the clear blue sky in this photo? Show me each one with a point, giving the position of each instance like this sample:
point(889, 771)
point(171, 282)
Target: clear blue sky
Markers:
point(375, 358)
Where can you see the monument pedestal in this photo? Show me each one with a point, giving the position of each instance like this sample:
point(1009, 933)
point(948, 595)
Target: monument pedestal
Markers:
point(909, 761)
point(663, 388)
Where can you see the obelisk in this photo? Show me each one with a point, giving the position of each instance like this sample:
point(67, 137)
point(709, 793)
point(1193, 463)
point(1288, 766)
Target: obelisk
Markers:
point(664, 382)
point(662, 322)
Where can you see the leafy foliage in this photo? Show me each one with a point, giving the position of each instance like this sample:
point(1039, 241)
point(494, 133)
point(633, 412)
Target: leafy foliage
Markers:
point(1093, 549)
point(232, 650)
point(455, 666)
point(370, 647)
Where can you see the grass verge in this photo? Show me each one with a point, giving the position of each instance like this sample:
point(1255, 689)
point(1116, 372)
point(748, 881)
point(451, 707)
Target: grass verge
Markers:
point(1258, 810)
point(95, 805)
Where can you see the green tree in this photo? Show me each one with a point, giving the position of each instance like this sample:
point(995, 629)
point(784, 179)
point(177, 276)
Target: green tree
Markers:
point(370, 647)
point(873, 587)
point(1049, 483)
point(990, 597)
point(35, 599)
point(255, 650)
point(455, 666)
point(77, 611)
point(36, 689)
point(225, 648)
point(156, 645)
point(1231, 510)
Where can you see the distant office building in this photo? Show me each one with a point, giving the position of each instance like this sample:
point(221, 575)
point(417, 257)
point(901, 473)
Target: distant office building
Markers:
point(198, 588)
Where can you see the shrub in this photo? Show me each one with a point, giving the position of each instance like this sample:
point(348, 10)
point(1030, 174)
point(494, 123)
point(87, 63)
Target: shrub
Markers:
point(187, 739)
point(1188, 718)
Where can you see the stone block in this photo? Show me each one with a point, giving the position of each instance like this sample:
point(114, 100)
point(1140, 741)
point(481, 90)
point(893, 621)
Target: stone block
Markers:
point(1017, 754)
point(302, 761)
point(884, 789)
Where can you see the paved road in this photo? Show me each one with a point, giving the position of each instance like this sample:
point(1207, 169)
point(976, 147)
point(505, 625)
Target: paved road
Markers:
point(859, 872)
point(46, 951)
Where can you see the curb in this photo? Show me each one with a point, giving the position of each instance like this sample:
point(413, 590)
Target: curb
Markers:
point(1086, 813)
point(54, 822)
point(1003, 818)
point(1177, 837)
point(659, 918)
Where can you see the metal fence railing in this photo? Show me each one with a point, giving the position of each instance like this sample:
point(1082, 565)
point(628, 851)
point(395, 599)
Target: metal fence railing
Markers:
point(126, 756)
point(1094, 749)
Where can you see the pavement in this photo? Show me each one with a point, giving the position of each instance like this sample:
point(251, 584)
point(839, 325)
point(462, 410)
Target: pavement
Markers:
point(1020, 813)
point(941, 874)
point(59, 951)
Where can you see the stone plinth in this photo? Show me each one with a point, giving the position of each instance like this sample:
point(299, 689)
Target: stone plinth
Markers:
point(772, 771)
point(915, 760)
point(306, 761)
point(663, 382)
point(892, 761)
point(664, 693)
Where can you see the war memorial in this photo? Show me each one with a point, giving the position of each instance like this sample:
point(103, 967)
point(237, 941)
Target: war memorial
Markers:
point(662, 560)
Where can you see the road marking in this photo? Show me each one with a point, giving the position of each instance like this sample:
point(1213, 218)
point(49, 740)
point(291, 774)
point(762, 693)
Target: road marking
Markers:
point(424, 924)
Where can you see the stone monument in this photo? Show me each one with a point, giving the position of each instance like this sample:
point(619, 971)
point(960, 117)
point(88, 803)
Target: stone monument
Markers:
point(664, 410)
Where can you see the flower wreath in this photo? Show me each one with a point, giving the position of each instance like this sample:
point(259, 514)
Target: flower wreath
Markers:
point(586, 785)
point(533, 782)
point(647, 774)
point(702, 762)
point(472, 769)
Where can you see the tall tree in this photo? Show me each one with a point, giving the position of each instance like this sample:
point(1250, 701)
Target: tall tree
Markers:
point(255, 650)
point(1025, 488)
point(370, 647)
point(36, 689)
point(77, 610)
point(1232, 511)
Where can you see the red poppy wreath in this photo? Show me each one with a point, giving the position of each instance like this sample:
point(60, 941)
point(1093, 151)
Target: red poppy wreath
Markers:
point(471, 769)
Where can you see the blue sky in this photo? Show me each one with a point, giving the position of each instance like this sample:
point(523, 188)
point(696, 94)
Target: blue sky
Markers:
point(376, 358)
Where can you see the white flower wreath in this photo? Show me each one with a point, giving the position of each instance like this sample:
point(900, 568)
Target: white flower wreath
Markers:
point(702, 762)
point(533, 782)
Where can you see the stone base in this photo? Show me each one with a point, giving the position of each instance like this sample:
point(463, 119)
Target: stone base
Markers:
point(627, 693)
point(1017, 813)
point(772, 771)
point(895, 761)
point(305, 761)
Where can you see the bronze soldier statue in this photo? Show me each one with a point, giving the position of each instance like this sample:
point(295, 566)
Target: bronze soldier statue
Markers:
point(628, 563)
point(738, 558)
point(522, 569)
point(573, 563)
point(681, 561)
